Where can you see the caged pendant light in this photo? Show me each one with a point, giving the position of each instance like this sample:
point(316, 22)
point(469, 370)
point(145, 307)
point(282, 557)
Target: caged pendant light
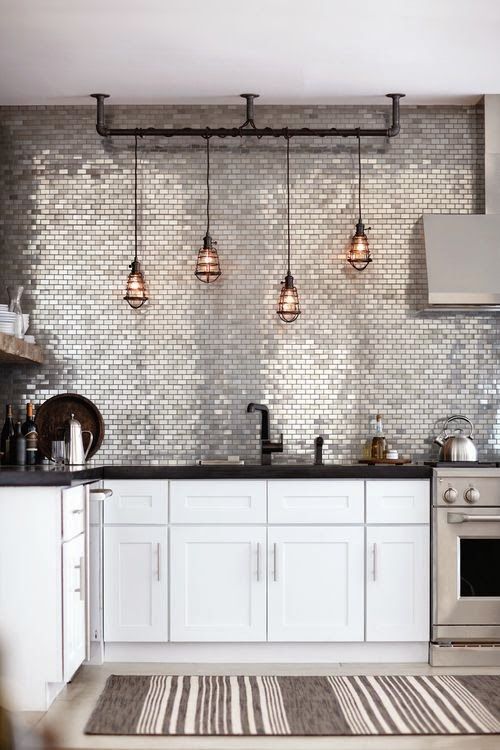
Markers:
point(359, 251)
point(288, 304)
point(136, 294)
point(207, 265)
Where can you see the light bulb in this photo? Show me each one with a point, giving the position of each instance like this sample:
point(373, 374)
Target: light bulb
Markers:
point(359, 251)
point(288, 304)
point(136, 294)
point(207, 265)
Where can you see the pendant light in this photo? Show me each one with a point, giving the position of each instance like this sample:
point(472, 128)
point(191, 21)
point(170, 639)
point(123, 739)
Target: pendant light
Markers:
point(359, 251)
point(288, 304)
point(207, 265)
point(136, 294)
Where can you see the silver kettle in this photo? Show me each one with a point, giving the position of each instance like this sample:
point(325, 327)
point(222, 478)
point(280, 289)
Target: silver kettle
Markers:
point(454, 443)
point(75, 453)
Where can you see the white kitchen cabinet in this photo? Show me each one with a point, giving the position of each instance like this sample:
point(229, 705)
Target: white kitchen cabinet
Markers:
point(398, 501)
point(397, 583)
point(135, 583)
point(218, 583)
point(74, 617)
point(141, 501)
point(316, 582)
point(316, 501)
point(218, 501)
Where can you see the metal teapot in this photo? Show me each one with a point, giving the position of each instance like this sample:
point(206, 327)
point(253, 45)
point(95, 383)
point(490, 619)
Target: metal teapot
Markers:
point(455, 445)
point(75, 453)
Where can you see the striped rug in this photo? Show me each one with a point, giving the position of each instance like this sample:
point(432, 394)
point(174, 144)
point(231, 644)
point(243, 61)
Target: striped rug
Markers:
point(353, 705)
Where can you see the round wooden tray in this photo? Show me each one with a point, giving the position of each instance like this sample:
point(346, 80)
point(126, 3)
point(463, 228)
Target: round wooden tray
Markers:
point(53, 413)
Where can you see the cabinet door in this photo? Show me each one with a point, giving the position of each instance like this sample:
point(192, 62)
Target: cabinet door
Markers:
point(74, 636)
point(218, 583)
point(135, 583)
point(397, 583)
point(316, 583)
point(141, 501)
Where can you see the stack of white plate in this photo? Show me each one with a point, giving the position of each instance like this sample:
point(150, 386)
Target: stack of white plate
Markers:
point(7, 321)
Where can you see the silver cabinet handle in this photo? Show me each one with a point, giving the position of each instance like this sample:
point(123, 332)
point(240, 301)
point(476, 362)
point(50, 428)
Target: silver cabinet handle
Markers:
point(275, 562)
point(106, 493)
point(81, 589)
point(258, 561)
point(374, 562)
point(158, 557)
point(78, 510)
point(464, 518)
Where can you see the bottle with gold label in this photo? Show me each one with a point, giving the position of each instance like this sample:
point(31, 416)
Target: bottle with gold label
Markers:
point(378, 440)
point(31, 434)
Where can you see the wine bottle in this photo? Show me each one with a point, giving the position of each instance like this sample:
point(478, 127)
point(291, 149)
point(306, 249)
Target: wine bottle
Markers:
point(6, 436)
point(19, 443)
point(31, 434)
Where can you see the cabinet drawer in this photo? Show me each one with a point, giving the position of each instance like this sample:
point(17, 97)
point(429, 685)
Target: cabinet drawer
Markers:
point(73, 511)
point(214, 501)
point(392, 501)
point(316, 501)
point(138, 501)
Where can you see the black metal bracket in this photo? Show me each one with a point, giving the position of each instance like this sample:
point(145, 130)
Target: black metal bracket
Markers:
point(249, 128)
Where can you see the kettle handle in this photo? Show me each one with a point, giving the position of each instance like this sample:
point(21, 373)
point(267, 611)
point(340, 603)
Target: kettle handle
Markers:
point(91, 440)
point(464, 419)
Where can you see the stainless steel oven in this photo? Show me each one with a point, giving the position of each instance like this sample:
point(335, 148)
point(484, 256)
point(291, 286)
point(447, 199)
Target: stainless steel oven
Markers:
point(466, 566)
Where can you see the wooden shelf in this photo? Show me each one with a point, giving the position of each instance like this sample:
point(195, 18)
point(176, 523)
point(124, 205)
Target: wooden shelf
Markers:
point(17, 351)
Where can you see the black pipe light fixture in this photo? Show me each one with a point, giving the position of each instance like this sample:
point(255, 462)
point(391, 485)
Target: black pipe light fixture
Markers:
point(359, 251)
point(288, 304)
point(136, 294)
point(208, 265)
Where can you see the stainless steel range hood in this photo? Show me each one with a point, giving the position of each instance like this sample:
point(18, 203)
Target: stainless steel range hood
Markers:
point(463, 251)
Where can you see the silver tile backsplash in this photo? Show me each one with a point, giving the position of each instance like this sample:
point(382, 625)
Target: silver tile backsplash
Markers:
point(173, 380)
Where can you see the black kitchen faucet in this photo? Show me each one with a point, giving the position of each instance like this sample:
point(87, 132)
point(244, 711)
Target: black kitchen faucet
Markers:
point(267, 446)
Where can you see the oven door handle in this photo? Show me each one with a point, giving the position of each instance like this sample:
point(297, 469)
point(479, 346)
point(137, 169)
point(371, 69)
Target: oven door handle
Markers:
point(463, 518)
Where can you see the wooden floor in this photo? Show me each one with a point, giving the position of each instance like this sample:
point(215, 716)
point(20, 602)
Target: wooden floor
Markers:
point(69, 713)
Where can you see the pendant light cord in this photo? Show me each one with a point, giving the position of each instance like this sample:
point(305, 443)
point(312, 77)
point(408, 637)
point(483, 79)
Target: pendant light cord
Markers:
point(135, 199)
point(208, 185)
point(288, 194)
point(359, 176)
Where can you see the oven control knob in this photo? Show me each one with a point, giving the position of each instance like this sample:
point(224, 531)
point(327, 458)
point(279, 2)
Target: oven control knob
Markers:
point(450, 495)
point(472, 495)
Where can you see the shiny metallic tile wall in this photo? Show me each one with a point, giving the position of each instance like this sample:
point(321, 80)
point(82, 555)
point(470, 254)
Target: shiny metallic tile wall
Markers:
point(173, 380)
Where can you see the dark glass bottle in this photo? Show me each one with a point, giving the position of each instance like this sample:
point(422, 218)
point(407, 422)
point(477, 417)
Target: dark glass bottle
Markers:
point(19, 446)
point(6, 436)
point(31, 434)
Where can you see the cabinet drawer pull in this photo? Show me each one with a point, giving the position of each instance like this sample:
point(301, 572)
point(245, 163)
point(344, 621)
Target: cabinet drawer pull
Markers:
point(158, 557)
point(275, 561)
point(105, 492)
point(78, 510)
point(81, 588)
point(374, 561)
point(258, 561)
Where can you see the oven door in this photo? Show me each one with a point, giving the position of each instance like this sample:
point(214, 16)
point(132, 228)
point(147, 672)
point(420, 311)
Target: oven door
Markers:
point(466, 581)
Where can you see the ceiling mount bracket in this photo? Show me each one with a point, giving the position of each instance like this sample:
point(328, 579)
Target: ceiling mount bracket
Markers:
point(249, 122)
point(249, 128)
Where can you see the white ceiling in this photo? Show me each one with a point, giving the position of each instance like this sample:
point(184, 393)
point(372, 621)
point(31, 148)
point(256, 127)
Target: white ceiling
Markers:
point(289, 51)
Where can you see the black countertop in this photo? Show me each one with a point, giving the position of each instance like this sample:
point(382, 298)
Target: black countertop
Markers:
point(51, 476)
